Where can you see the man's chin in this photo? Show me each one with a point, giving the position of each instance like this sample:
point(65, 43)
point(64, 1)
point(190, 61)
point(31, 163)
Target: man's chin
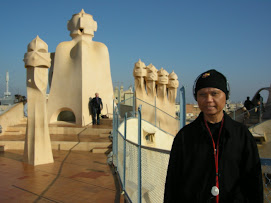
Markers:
point(210, 112)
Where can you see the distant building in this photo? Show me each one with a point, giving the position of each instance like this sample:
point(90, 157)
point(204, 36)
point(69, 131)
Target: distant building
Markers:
point(125, 96)
point(192, 111)
point(233, 106)
point(7, 99)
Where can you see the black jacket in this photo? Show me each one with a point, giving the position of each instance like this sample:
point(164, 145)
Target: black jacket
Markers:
point(97, 103)
point(191, 169)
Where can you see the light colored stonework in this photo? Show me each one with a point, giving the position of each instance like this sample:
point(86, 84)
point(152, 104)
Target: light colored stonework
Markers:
point(151, 80)
point(157, 88)
point(37, 60)
point(81, 68)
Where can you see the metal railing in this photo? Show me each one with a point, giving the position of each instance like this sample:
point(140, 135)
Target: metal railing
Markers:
point(141, 170)
point(266, 170)
point(252, 116)
point(129, 106)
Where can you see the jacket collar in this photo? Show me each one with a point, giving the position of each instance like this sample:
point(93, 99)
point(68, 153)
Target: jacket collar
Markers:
point(228, 123)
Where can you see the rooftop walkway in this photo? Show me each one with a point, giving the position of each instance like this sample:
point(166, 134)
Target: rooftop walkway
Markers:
point(75, 176)
point(80, 172)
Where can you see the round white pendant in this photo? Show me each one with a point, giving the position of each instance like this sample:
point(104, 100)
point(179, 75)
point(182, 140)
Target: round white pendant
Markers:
point(215, 191)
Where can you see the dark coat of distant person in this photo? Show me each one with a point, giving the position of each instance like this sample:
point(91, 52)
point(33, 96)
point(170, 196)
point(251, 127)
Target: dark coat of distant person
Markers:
point(248, 104)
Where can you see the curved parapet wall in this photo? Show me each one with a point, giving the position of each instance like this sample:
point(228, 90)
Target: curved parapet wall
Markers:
point(151, 136)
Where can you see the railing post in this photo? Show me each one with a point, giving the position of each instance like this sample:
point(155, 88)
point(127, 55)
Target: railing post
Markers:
point(114, 130)
point(139, 154)
point(124, 150)
point(116, 140)
point(134, 102)
point(119, 96)
point(182, 107)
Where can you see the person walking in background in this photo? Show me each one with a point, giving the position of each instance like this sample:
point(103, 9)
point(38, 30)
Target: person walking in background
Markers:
point(248, 104)
point(214, 158)
point(97, 106)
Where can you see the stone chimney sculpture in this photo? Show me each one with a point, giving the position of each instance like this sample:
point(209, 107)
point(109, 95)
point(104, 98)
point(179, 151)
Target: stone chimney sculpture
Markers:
point(140, 73)
point(162, 84)
point(151, 80)
point(172, 86)
point(37, 60)
point(81, 68)
point(156, 91)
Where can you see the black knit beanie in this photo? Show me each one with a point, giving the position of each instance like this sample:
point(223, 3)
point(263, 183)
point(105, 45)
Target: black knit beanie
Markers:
point(211, 78)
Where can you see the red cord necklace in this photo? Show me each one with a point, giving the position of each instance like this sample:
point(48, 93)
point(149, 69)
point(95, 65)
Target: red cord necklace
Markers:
point(215, 189)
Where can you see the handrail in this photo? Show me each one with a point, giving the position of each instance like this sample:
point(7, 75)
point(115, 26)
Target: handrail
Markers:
point(265, 162)
point(251, 111)
point(124, 107)
point(139, 156)
point(157, 108)
point(182, 107)
point(182, 101)
point(150, 105)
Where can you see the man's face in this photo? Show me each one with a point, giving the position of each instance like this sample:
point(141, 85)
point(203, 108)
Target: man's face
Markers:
point(211, 101)
point(96, 95)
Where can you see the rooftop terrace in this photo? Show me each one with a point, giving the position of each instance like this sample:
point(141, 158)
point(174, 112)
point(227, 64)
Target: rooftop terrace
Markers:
point(75, 176)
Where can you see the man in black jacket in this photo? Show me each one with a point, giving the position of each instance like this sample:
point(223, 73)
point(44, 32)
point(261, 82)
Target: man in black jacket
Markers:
point(213, 159)
point(97, 106)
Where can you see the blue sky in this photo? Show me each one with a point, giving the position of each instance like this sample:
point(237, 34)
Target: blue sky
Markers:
point(189, 37)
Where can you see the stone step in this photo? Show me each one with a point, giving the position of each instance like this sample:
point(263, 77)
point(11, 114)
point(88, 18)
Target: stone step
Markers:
point(106, 121)
point(13, 145)
point(105, 135)
point(21, 128)
point(79, 146)
point(60, 137)
point(12, 133)
point(12, 137)
point(54, 129)
point(16, 128)
point(60, 145)
point(64, 136)
point(79, 131)
point(23, 120)
point(102, 150)
point(79, 138)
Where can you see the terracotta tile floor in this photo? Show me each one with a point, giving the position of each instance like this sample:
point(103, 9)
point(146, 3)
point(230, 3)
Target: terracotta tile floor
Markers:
point(75, 176)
